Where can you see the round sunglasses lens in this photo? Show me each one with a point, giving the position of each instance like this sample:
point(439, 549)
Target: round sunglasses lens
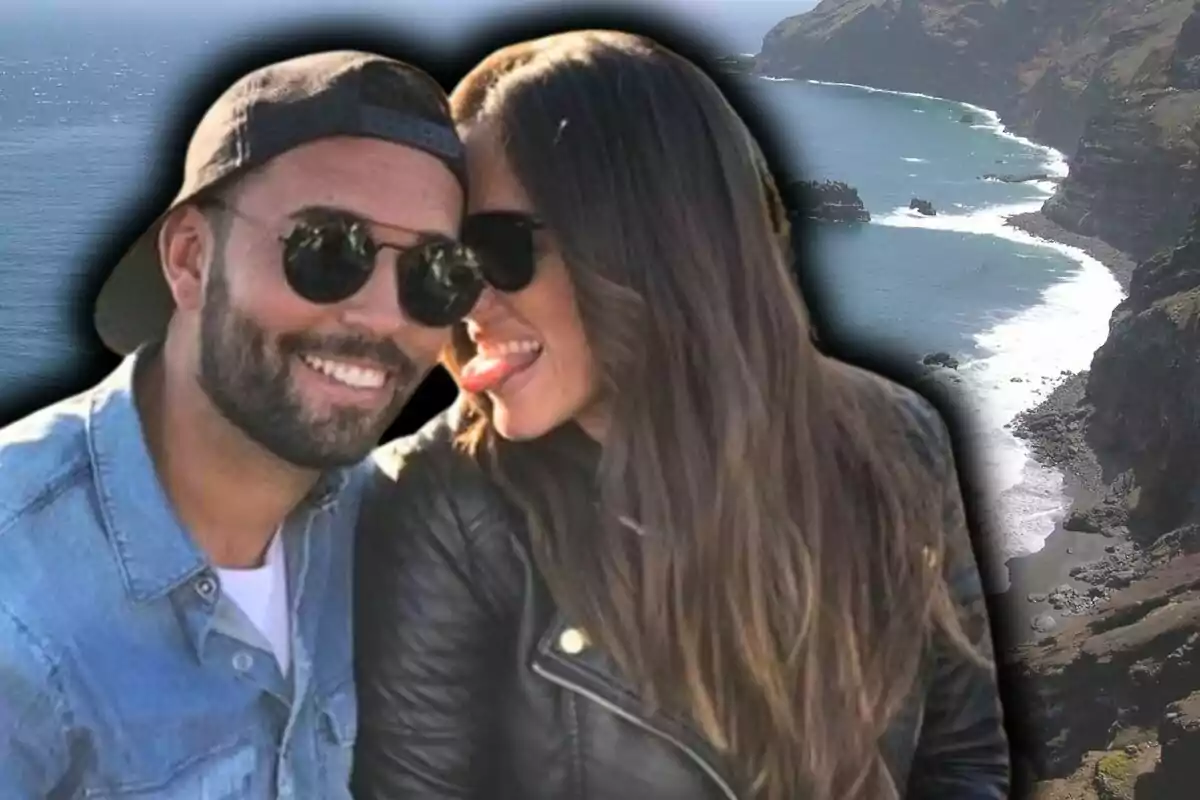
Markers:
point(504, 243)
point(439, 283)
point(327, 263)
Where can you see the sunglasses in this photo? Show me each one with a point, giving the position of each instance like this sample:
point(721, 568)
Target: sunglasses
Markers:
point(502, 241)
point(329, 256)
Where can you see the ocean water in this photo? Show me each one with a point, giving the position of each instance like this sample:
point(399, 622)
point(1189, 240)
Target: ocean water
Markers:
point(84, 102)
point(1017, 312)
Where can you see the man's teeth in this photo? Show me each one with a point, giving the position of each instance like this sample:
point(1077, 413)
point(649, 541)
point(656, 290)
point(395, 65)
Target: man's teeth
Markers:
point(511, 347)
point(349, 374)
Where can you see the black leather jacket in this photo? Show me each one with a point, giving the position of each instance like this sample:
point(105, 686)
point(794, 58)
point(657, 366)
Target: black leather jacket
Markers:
point(473, 685)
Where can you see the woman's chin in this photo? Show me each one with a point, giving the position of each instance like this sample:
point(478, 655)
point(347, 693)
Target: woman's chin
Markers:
point(521, 420)
point(516, 426)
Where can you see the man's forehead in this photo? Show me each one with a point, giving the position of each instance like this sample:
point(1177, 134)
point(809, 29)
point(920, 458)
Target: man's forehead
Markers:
point(378, 181)
point(355, 161)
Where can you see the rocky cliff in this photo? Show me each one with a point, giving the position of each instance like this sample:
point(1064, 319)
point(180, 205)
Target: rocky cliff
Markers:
point(1114, 84)
point(1144, 392)
point(1114, 693)
point(1111, 697)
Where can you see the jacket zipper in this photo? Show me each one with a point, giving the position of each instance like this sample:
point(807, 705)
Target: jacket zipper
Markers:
point(625, 715)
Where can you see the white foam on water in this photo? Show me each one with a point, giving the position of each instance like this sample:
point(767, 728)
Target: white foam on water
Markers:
point(1023, 355)
point(1056, 161)
point(1023, 359)
point(915, 160)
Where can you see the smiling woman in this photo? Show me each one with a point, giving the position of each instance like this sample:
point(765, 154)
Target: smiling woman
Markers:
point(523, 347)
point(664, 546)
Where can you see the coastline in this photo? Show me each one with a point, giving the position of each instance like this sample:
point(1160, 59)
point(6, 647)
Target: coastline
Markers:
point(1073, 569)
point(1044, 587)
point(1118, 263)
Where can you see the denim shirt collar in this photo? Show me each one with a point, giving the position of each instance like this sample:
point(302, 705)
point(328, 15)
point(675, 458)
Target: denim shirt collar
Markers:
point(154, 551)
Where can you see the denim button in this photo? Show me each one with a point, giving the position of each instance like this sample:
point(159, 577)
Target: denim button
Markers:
point(242, 661)
point(206, 586)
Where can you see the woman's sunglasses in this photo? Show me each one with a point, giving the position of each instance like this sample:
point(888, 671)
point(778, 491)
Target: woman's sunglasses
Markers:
point(502, 241)
point(329, 257)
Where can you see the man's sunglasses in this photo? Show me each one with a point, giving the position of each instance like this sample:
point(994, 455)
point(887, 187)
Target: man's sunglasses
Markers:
point(328, 257)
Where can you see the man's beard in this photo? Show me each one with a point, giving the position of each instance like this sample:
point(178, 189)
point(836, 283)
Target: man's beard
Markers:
point(249, 380)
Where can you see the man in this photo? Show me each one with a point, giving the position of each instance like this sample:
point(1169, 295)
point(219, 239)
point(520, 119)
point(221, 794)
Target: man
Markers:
point(175, 543)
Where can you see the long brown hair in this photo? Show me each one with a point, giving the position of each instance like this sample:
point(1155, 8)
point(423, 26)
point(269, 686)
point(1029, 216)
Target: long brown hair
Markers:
point(775, 585)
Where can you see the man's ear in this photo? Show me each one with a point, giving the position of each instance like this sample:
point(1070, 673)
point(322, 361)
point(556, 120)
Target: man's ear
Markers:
point(186, 247)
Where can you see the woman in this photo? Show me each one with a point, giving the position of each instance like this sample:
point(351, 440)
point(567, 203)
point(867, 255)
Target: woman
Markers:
point(662, 547)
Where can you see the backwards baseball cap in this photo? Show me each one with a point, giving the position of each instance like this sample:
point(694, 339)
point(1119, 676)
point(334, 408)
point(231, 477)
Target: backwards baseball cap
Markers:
point(263, 115)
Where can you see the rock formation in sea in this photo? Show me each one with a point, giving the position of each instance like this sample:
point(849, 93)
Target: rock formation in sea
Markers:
point(735, 64)
point(1008, 177)
point(825, 201)
point(1114, 84)
point(922, 207)
point(940, 359)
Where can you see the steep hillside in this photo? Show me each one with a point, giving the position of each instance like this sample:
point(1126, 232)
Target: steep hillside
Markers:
point(1144, 392)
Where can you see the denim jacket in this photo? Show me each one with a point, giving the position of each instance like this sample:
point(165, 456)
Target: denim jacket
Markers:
point(124, 671)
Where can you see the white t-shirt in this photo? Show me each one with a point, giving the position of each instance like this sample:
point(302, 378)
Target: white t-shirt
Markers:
point(262, 595)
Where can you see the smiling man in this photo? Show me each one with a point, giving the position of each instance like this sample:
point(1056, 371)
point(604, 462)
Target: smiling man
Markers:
point(175, 543)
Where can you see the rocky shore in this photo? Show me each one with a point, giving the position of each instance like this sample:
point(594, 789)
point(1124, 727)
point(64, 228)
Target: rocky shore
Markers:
point(1038, 224)
point(1086, 558)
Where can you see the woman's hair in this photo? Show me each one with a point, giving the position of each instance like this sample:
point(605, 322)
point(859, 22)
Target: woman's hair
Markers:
point(774, 577)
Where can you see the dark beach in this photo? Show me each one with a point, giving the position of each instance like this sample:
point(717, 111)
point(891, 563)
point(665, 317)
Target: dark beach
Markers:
point(1038, 574)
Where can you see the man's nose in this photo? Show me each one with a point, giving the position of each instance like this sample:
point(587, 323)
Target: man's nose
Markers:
point(376, 307)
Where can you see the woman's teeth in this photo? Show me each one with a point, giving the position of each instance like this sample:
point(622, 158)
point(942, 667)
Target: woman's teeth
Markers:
point(500, 349)
point(349, 374)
